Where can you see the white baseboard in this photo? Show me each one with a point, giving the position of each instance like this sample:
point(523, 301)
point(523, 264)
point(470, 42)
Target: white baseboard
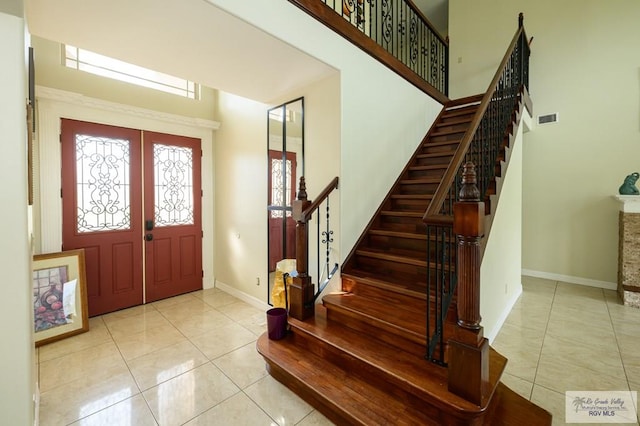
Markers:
point(570, 279)
point(253, 301)
point(503, 316)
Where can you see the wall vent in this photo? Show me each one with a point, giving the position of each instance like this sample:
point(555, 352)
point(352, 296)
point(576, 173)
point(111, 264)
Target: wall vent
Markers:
point(548, 118)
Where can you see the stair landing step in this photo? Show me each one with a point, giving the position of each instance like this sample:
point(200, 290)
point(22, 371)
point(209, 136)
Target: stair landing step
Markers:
point(341, 396)
point(397, 367)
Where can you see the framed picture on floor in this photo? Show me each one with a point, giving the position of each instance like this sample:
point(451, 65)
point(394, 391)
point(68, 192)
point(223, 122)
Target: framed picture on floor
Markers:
point(59, 296)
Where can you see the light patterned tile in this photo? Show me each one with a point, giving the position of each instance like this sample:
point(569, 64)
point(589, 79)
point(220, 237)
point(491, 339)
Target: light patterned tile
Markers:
point(520, 386)
point(552, 401)
point(223, 340)
point(182, 398)
point(130, 412)
point(315, 419)
point(219, 299)
point(239, 311)
point(166, 363)
point(88, 395)
point(97, 335)
point(278, 401)
point(244, 366)
point(201, 322)
point(185, 309)
point(564, 373)
point(127, 313)
point(76, 365)
point(136, 324)
point(165, 303)
point(589, 354)
point(134, 345)
point(238, 410)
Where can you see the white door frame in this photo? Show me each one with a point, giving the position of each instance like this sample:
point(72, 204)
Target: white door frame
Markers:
point(53, 105)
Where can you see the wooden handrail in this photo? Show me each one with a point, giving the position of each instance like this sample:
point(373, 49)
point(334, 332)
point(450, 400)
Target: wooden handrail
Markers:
point(320, 198)
point(456, 162)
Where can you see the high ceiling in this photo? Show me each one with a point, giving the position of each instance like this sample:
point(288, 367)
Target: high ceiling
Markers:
point(191, 39)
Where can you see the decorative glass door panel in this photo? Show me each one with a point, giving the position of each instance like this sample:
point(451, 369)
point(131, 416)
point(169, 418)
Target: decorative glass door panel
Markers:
point(173, 185)
point(102, 183)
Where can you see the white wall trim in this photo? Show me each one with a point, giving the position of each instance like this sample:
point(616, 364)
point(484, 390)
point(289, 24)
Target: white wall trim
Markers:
point(570, 279)
point(86, 101)
point(253, 301)
point(503, 316)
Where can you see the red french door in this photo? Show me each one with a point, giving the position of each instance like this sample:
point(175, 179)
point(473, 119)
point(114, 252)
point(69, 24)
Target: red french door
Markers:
point(135, 251)
point(172, 221)
point(282, 227)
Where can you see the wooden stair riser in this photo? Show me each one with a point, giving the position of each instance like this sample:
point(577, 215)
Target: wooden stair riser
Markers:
point(420, 173)
point(433, 159)
point(414, 227)
point(458, 125)
point(422, 248)
point(401, 339)
point(447, 143)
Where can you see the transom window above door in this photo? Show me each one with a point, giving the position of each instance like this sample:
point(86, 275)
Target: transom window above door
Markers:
point(94, 63)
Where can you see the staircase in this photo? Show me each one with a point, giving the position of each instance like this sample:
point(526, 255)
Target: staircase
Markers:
point(361, 359)
point(402, 343)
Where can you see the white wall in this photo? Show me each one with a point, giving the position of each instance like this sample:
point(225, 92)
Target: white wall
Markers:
point(502, 260)
point(16, 356)
point(241, 178)
point(383, 118)
point(584, 65)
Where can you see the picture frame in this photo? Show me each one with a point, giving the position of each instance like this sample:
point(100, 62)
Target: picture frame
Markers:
point(59, 296)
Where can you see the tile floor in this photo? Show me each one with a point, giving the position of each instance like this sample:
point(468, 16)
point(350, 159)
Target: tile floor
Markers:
point(192, 360)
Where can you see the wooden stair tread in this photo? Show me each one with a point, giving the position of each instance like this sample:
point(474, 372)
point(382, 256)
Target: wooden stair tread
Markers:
point(340, 395)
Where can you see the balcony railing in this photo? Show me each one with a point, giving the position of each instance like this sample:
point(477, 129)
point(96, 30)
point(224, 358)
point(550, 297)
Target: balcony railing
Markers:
point(395, 32)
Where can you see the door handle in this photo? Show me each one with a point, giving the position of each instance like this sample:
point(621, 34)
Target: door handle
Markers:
point(148, 237)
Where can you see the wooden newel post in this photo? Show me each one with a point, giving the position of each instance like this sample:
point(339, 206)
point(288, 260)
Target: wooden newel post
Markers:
point(468, 349)
point(301, 291)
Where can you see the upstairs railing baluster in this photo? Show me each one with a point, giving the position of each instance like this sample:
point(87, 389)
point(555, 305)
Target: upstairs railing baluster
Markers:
point(401, 29)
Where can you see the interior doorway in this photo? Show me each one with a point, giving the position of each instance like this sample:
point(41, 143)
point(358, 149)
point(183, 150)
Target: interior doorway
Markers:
point(132, 200)
point(285, 156)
